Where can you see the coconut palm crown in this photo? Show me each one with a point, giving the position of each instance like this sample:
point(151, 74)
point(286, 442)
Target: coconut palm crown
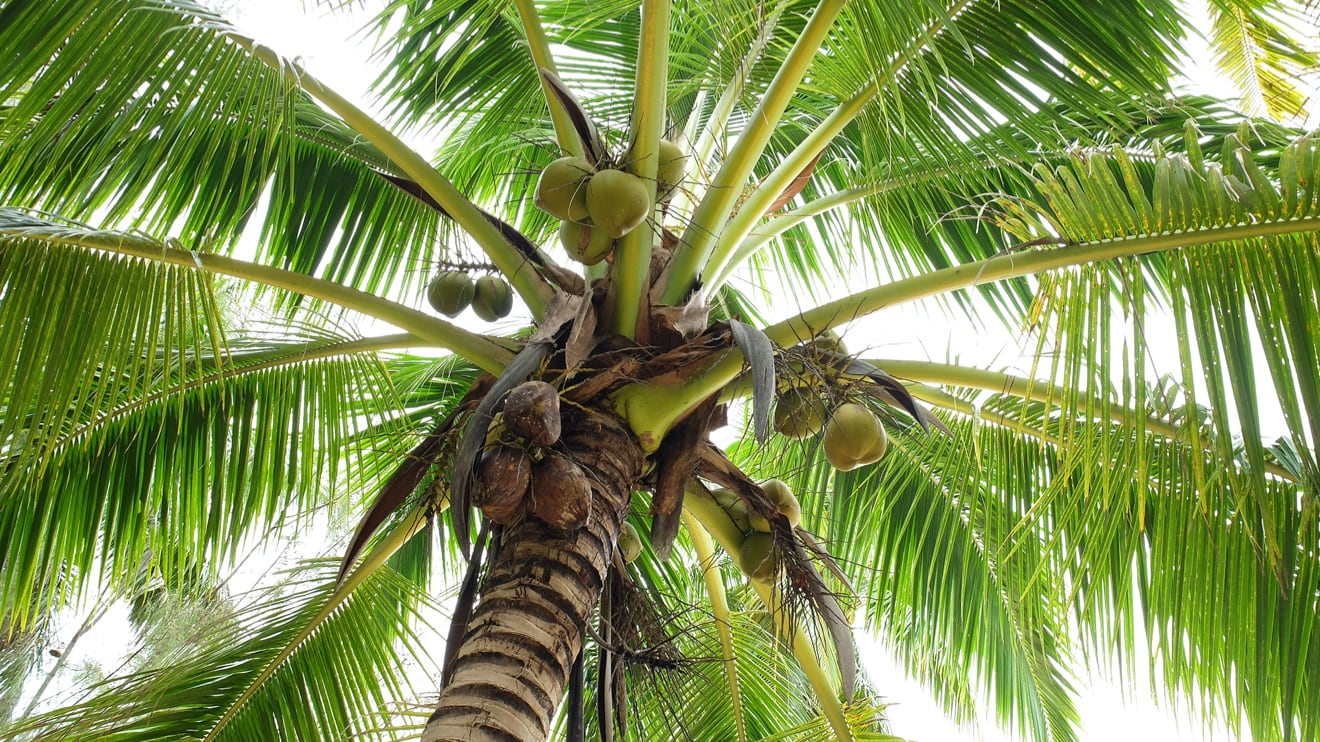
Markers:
point(192, 226)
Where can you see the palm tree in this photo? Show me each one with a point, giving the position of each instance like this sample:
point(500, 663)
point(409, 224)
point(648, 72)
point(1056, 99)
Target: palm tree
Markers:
point(173, 389)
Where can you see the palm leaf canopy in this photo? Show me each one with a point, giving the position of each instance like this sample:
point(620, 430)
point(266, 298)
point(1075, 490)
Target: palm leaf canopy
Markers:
point(200, 241)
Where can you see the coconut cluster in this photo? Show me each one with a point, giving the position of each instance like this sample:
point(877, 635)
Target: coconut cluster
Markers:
point(452, 291)
point(599, 203)
point(519, 474)
point(757, 557)
point(854, 435)
point(801, 411)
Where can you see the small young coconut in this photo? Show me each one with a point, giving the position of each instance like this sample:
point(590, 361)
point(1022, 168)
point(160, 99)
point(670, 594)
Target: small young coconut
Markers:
point(617, 201)
point(757, 558)
point(799, 413)
point(450, 292)
point(492, 298)
point(630, 543)
point(734, 506)
point(670, 171)
point(586, 244)
point(531, 411)
point(561, 190)
point(854, 437)
point(785, 502)
point(502, 477)
point(561, 493)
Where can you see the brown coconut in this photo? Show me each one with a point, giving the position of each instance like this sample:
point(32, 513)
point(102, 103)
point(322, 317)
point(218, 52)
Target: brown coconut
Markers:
point(531, 411)
point(561, 493)
point(503, 475)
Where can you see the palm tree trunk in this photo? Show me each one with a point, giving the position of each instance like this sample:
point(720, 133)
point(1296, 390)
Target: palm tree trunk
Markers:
point(510, 673)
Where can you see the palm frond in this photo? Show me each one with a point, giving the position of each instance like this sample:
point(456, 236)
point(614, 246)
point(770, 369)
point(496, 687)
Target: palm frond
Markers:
point(924, 536)
point(921, 214)
point(1228, 519)
point(1255, 43)
point(1225, 293)
point(142, 113)
point(952, 70)
point(341, 686)
point(939, 91)
point(133, 422)
point(44, 233)
point(690, 698)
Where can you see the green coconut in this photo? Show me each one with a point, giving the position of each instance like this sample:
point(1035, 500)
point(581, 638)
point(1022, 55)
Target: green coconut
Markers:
point(450, 292)
point(492, 298)
point(585, 244)
point(630, 543)
point(784, 500)
point(671, 169)
point(617, 201)
point(756, 558)
point(799, 413)
point(734, 506)
point(854, 437)
point(562, 188)
point(826, 343)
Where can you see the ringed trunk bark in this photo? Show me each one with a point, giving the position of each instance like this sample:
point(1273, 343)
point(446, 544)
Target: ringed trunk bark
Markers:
point(511, 671)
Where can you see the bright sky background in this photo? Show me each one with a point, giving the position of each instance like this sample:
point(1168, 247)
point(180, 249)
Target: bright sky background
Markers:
point(1109, 712)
